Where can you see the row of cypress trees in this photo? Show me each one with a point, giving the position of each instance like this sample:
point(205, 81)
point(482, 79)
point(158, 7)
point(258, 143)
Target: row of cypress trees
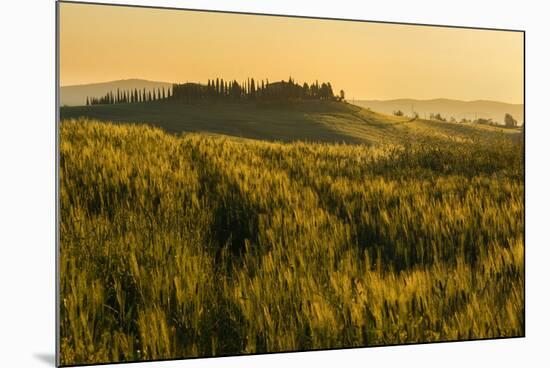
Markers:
point(250, 89)
point(130, 96)
point(220, 89)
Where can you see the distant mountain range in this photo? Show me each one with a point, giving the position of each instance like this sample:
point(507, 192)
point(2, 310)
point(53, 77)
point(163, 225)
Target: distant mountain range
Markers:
point(447, 108)
point(76, 95)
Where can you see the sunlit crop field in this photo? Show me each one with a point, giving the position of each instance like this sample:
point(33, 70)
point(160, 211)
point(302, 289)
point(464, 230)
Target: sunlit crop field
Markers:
point(193, 245)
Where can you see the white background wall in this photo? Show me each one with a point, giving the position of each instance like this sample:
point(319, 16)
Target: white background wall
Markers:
point(27, 182)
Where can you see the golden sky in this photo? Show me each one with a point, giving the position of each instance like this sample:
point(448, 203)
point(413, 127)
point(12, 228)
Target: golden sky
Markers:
point(368, 60)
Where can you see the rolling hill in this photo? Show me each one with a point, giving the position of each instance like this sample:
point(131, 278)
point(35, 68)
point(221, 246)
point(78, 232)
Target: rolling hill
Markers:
point(448, 108)
point(316, 121)
point(76, 95)
point(158, 223)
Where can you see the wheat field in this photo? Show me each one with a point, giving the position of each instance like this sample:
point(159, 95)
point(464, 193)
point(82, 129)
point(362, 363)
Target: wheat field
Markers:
point(195, 245)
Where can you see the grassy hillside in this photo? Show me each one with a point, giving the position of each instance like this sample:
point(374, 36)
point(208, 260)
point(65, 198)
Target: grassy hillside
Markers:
point(201, 245)
point(316, 121)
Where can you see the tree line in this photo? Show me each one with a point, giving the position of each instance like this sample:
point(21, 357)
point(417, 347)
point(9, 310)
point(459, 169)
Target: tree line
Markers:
point(223, 89)
point(130, 96)
point(509, 120)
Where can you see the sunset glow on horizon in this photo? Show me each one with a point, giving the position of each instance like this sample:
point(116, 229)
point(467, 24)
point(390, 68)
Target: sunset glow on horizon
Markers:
point(101, 43)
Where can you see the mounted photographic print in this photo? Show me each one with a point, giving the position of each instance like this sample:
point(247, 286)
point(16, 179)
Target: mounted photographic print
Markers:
point(234, 184)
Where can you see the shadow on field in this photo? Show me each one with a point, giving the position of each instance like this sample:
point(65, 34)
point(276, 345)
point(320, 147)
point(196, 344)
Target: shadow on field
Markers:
point(245, 120)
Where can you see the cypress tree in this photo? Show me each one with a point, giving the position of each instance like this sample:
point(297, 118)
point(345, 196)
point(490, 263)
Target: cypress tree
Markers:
point(252, 88)
point(330, 92)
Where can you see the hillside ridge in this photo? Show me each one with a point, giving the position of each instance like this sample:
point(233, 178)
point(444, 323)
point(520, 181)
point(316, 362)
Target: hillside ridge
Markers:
point(319, 121)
